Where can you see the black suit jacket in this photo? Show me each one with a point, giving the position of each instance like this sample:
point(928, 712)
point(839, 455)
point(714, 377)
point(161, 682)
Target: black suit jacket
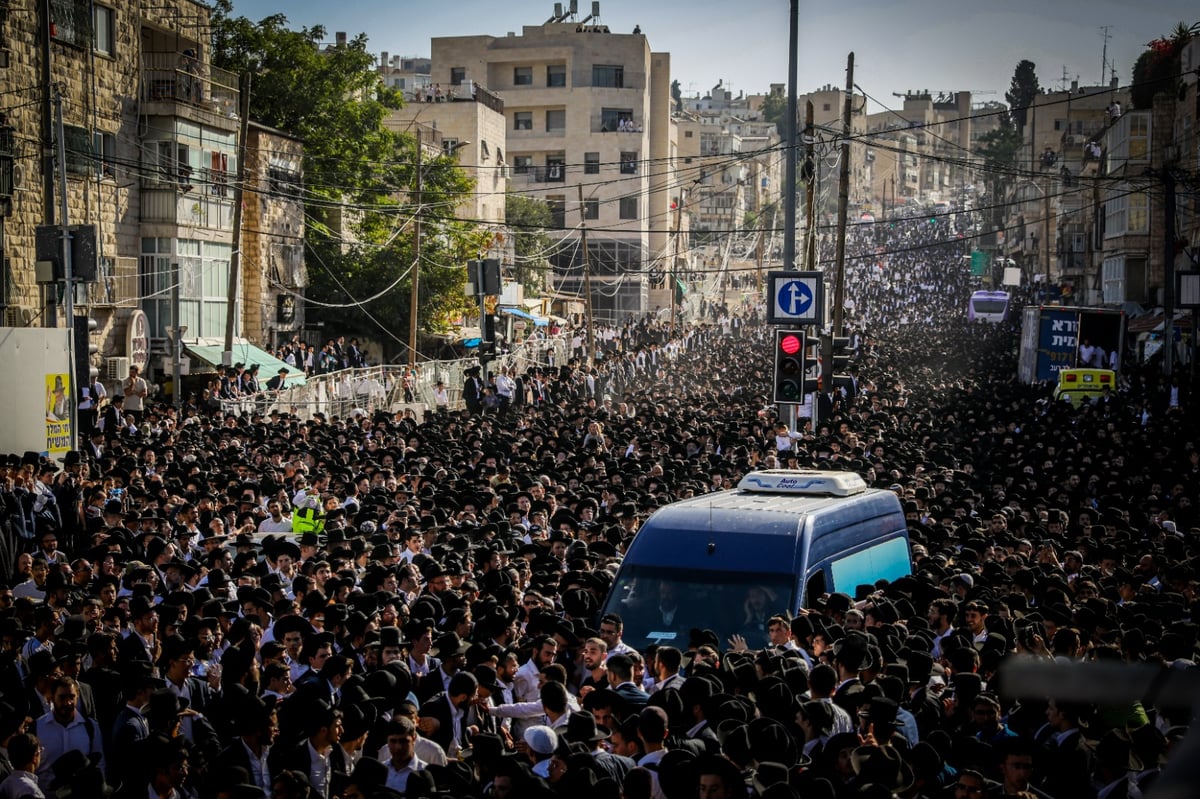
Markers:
point(634, 698)
point(297, 758)
point(132, 648)
point(438, 708)
point(128, 731)
point(430, 685)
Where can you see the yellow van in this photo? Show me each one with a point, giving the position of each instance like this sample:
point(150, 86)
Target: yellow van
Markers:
point(1076, 385)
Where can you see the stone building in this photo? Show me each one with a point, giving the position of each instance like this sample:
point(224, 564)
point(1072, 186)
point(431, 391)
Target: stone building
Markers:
point(150, 129)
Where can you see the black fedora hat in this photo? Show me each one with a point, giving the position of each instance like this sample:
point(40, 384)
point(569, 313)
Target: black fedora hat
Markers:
point(450, 645)
point(582, 728)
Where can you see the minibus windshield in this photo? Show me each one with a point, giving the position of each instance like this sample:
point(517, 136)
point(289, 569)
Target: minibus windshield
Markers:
point(661, 605)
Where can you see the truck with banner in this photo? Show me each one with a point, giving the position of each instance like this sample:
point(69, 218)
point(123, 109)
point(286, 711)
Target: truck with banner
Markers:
point(1055, 337)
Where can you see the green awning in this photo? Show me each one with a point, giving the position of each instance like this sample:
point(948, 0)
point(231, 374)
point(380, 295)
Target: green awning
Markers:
point(268, 364)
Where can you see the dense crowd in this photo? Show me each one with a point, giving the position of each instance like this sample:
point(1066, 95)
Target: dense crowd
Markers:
point(379, 606)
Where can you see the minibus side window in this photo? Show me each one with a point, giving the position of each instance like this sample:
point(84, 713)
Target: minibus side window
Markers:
point(814, 589)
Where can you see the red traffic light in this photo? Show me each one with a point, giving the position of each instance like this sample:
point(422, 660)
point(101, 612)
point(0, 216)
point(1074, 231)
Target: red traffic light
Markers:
point(790, 343)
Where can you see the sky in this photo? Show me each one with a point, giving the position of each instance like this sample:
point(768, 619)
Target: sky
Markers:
point(899, 45)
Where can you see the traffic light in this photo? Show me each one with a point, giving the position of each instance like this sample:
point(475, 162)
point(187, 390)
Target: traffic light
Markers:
point(835, 358)
point(487, 336)
point(788, 383)
point(85, 327)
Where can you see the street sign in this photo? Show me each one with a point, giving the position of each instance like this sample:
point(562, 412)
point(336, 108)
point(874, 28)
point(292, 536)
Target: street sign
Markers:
point(795, 298)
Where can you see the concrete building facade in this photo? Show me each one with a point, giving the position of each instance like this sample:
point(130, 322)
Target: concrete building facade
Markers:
point(586, 111)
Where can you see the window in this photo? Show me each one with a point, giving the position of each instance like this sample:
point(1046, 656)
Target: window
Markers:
point(218, 174)
point(611, 118)
point(1139, 136)
point(170, 162)
point(608, 76)
point(283, 181)
point(448, 145)
point(522, 76)
point(104, 146)
point(457, 75)
point(522, 120)
point(629, 163)
point(203, 285)
point(556, 121)
point(556, 75)
point(484, 151)
point(591, 209)
point(555, 169)
point(522, 164)
point(687, 134)
point(78, 144)
point(558, 211)
point(825, 107)
point(591, 163)
point(1139, 210)
point(629, 207)
point(102, 23)
point(71, 22)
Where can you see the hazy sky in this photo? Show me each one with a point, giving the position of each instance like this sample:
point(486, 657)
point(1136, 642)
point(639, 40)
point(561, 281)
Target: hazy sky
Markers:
point(938, 45)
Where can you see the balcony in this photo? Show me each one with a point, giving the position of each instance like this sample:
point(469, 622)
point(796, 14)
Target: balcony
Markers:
point(466, 92)
point(189, 88)
point(539, 174)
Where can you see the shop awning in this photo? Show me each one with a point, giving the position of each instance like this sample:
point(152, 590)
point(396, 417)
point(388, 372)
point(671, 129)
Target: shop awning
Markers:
point(517, 312)
point(244, 352)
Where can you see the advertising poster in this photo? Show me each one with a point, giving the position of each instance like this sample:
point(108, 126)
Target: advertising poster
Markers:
point(58, 413)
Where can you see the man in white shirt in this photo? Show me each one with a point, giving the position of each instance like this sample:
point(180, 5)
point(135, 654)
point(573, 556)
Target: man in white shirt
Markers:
point(276, 522)
point(26, 756)
point(403, 760)
point(64, 728)
point(135, 390)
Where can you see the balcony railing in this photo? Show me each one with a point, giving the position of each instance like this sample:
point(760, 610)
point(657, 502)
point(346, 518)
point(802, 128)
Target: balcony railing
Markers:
point(539, 174)
point(467, 91)
point(175, 77)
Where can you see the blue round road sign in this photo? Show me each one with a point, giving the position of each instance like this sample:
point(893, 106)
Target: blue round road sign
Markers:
point(794, 297)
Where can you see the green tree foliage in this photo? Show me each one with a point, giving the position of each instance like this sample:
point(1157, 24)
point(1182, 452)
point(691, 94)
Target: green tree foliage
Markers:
point(774, 109)
point(359, 177)
point(528, 218)
point(1157, 69)
point(676, 96)
point(1021, 92)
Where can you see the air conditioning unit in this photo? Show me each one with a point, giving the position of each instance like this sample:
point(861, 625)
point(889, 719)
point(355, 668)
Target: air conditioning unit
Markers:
point(116, 369)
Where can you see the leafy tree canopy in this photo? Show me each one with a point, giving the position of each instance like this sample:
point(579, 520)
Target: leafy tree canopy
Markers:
point(359, 178)
point(528, 219)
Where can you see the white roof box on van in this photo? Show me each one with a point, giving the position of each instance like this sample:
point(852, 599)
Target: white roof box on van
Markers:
point(803, 481)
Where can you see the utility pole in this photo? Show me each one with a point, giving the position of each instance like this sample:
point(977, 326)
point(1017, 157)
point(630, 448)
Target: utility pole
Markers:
point(68, 273)
point(793, 115)
point(235, 260)
point(50, 291)
point(414, 299)
point(176, 330)
point(587, 280)
point(839, 288)
point(810, 191)
point(1168, 179)
point(673, 280)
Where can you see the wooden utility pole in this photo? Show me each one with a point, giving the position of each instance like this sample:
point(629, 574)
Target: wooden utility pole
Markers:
point(414, 299)
point(587, 279)
point(235, 259)
point(810, 191)
point(673, 280)
point(839, 286)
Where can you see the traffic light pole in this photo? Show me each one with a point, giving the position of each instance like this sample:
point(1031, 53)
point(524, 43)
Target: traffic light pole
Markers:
point(839, 286)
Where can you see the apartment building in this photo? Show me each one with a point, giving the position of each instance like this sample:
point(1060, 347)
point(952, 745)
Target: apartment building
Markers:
point(150, 130)
point(923, 148)
point(470, 126)
point(406, 74)
point(587, 118)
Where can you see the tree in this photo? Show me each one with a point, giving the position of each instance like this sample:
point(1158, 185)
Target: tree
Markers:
point(359, 177)
point(1157, 69)
point(528, 218)
point(1021, 93)
point(774, 109)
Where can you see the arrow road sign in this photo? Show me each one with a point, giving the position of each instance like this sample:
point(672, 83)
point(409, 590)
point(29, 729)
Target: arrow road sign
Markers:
point(795, 298)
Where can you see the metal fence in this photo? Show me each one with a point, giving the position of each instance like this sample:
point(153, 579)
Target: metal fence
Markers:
point(381, 388)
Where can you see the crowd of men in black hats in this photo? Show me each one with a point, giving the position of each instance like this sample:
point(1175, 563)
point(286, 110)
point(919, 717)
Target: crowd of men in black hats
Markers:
point(379, 606)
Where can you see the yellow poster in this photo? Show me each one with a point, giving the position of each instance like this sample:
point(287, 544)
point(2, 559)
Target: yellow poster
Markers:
point(58, 413)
